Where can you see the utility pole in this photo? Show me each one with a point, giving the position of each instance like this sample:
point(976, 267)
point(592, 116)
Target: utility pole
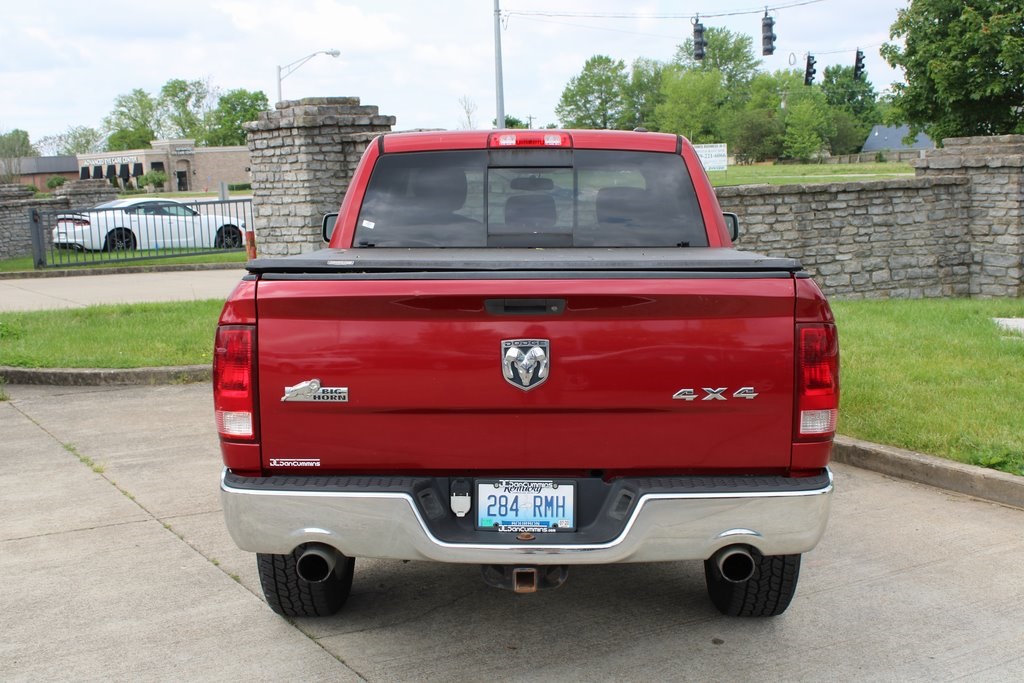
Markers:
point(498, 85)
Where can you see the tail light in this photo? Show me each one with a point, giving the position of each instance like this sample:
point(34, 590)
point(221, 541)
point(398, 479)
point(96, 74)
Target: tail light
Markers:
point(233, 391)
point(529, 139)
point(817, 381)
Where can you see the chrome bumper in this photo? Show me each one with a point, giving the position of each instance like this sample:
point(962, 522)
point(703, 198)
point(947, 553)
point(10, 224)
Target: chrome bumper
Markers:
point(662, 526)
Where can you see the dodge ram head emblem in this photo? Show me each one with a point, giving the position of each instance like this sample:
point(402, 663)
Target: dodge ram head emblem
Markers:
point(525, 362)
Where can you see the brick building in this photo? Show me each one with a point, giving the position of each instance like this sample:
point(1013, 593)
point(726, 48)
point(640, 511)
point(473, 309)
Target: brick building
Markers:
point(188, 168)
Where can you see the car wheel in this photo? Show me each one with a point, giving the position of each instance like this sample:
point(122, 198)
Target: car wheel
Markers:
point(291, 596)
point(767, 593)
point(119, 239)
point(228, 237)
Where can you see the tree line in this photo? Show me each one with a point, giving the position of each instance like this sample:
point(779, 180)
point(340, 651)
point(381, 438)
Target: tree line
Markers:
point(963, 65)
point(725, 98)
point(181, 109)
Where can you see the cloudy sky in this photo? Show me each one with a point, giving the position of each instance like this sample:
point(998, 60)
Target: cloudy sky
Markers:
point(64, 62)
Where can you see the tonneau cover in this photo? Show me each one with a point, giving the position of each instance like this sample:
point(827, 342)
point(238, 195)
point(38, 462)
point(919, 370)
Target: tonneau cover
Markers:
point(567, 259)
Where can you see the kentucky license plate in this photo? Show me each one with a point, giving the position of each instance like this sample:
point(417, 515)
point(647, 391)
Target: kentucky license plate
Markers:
point(518, 505)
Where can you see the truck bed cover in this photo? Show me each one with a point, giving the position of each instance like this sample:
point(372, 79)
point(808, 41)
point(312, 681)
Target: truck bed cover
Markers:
point(636, 261)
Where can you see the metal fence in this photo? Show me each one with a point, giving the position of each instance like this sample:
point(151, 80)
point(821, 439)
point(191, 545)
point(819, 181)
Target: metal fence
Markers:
point(128, 230)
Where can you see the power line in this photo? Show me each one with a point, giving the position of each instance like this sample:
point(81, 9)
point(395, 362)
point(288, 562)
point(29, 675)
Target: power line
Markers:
point(637, 15)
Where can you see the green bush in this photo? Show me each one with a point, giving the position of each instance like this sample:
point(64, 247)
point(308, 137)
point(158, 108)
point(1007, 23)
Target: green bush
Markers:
point(236, 187)
point(55, 181)
point(154, 178)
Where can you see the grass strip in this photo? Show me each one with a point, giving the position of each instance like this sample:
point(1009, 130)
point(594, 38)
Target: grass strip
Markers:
point(122, 336)
point(794, 174)
point(936, 376)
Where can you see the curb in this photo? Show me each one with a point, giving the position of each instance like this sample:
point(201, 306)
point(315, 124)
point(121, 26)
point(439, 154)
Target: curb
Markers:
point(119, 270)
point(979, 482)
point(87, 377)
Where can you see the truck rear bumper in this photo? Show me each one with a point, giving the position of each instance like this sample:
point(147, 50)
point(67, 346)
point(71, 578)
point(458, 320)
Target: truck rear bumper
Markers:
point(367, 519)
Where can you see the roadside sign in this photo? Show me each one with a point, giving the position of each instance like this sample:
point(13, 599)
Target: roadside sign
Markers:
point(714, 157)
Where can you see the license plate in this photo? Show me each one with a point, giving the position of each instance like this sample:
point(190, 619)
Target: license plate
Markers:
point(525, 505)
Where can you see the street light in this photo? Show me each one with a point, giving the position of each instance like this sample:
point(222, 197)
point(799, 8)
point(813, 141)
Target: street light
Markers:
point(286, 70)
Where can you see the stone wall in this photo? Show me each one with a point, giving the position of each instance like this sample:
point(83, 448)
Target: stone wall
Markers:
point(957, 229)
point(899, 238)
point(302, 156)
point(995, 168)
point(17, 200)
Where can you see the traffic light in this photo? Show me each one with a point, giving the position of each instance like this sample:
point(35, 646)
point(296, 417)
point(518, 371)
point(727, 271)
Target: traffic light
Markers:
point(810, 70)
point(767, 35)
point(698, 41)
point(858, 67)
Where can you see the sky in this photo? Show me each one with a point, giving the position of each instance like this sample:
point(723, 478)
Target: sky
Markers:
point(64, 63)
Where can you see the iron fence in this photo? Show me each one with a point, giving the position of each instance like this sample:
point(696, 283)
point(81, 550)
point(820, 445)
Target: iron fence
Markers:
point(127, 230)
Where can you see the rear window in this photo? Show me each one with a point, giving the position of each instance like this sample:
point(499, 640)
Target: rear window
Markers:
point(518, 198)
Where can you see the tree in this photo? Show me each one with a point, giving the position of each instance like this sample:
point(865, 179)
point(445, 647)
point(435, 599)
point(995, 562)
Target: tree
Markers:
point(731, 54)
point(234, 108)
point(594, 97)
point(511, 122)
point(964, 65)
point(642, 94)
point(468, 107)
point(133, 122)
point(858, 97)
point(809, 125)
point(75, 140)
point(14, 145)
point(183, 107)
point(693, 104)
point(754, 134)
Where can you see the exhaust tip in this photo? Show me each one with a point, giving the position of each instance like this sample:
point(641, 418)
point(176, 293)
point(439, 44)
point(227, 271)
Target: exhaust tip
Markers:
point(316, 563)
point(735, 564)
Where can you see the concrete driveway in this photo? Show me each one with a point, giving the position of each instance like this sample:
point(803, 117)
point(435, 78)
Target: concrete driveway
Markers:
point(115, 565)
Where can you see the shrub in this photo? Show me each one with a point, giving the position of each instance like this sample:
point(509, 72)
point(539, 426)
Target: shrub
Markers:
point(55, 181)
point(154, 178)
point(236, 187)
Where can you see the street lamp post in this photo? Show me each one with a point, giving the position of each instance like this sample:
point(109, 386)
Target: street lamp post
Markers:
point(286, 70)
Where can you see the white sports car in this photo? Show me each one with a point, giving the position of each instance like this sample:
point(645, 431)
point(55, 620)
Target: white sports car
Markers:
point(128, 224)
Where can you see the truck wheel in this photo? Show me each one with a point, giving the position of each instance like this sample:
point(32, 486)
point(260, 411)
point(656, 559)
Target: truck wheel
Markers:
point(767, 593)
point(291, 596)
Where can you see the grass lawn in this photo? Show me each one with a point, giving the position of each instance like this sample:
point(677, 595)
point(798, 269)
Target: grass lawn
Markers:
point(124, 336)
point(23, 263)
point(789, 174)
point(935, 376)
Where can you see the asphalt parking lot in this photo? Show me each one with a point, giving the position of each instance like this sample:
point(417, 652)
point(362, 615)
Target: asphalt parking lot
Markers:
point(116, 566)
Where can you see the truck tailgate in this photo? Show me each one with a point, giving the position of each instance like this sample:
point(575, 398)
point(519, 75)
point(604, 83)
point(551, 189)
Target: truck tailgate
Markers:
point(653, 374)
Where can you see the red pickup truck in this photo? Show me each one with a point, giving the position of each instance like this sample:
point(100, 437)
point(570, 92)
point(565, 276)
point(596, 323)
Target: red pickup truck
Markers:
point(527, 350)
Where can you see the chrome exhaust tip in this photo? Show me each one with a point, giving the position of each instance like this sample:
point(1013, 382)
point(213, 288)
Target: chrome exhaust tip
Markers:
point(316, 563)
point(735, 564)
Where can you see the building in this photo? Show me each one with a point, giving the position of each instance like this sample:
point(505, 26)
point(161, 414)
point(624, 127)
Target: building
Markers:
point(188, 168)
point(890, 139)
point(36, 171)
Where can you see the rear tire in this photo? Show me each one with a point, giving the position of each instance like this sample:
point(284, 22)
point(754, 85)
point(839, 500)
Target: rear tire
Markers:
point(765, 594)
point(228, 237)
point(290, 596)
point(119, 239)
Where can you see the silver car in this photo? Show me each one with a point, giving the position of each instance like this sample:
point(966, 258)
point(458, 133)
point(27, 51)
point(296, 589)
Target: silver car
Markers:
point(129, 224)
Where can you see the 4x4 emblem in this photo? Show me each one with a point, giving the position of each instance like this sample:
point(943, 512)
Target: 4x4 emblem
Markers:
point(525, 362)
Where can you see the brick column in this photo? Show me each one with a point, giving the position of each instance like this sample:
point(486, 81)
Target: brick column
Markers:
point(303, 155)
point(994, 167)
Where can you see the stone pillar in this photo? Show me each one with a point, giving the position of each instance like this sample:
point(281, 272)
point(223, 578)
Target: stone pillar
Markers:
point(994, 167)
point(303, 155)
